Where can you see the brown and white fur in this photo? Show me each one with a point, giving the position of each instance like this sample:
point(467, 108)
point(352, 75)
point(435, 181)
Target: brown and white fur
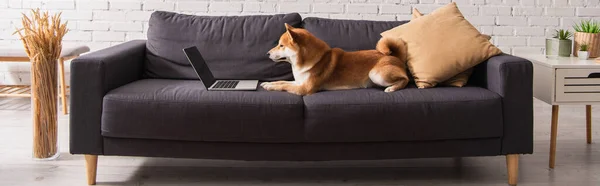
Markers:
point(316, 66)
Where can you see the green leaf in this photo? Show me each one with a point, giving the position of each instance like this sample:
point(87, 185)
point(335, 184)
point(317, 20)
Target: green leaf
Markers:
point(583, 47)
point(562, 34)
point(587, 26)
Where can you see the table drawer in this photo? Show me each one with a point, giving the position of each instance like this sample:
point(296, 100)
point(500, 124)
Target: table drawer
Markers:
point(578, 85)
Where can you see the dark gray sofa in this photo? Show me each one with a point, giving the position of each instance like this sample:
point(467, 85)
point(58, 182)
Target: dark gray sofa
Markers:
point(141, 98)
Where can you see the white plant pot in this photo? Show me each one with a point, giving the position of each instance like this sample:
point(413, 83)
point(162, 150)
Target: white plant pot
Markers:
point(583, 55)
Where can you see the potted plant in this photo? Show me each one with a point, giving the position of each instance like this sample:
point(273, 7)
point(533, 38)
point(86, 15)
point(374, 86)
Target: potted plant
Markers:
point(588, 32)
point(583, 52)
point(562, 42)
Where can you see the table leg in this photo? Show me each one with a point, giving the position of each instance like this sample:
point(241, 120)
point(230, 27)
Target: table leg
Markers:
point(588, 122)
point(63, 86)
point(553, 132)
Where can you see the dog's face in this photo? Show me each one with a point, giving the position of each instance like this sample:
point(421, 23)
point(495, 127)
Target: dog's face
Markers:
point(287, 48)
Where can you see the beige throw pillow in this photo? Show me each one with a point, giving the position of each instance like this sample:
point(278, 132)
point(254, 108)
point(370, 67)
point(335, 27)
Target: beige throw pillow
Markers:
point(441, 45)
point(461, 79)
point(416, 14)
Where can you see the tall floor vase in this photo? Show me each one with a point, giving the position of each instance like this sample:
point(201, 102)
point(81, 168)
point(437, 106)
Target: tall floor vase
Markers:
point(42, 38)
point(44, 93)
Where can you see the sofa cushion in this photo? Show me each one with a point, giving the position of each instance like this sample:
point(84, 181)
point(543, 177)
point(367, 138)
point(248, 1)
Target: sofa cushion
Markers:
point(368, 115)
point(234, 47)
point(350, 35)
point(184, 110)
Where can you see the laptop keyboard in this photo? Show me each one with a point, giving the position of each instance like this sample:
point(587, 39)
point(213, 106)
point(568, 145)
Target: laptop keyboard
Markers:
point(226, 84)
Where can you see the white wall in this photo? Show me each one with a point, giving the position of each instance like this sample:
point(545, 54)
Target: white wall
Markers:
point(517, 26)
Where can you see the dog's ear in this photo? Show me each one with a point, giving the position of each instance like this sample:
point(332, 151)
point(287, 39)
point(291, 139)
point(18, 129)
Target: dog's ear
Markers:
point(289, 32)
point(288, 26)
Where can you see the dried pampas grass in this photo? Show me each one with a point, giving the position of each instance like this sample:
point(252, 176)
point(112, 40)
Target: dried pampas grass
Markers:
point(42, 36)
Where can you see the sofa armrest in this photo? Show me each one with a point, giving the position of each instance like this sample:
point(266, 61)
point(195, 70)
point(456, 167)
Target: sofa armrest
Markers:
point(512, 78)
point(92, 76)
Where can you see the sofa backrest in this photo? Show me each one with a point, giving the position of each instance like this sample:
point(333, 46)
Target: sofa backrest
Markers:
point(234, 47)
point(349, 35)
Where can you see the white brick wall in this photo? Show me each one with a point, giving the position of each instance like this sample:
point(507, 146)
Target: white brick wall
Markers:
point(92, 5)
point(517, 26)
point(125, 5)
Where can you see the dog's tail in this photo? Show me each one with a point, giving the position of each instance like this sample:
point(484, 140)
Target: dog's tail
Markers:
point(392, 47)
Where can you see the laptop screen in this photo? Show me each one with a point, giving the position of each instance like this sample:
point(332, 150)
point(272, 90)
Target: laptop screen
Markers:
point(199, 66)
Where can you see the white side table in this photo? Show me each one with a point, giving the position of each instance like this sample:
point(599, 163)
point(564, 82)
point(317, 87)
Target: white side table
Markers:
point(565, 81)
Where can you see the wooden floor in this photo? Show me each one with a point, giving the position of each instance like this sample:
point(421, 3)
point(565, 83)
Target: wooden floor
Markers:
point(577, 164)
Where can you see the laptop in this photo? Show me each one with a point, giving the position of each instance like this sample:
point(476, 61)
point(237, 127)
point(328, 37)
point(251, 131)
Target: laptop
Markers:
point(209, 81)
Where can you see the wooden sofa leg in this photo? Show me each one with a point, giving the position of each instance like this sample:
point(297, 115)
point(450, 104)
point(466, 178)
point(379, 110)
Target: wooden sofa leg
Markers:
point(512, 164)
point(91, 163)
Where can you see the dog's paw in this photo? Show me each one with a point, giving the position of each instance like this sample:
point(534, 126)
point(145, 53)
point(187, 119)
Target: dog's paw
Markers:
point(390, 89)
point(265, 85)
point(268, 86)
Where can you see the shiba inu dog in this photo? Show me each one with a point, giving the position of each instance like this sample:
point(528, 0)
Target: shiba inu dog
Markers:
point(316, 66)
